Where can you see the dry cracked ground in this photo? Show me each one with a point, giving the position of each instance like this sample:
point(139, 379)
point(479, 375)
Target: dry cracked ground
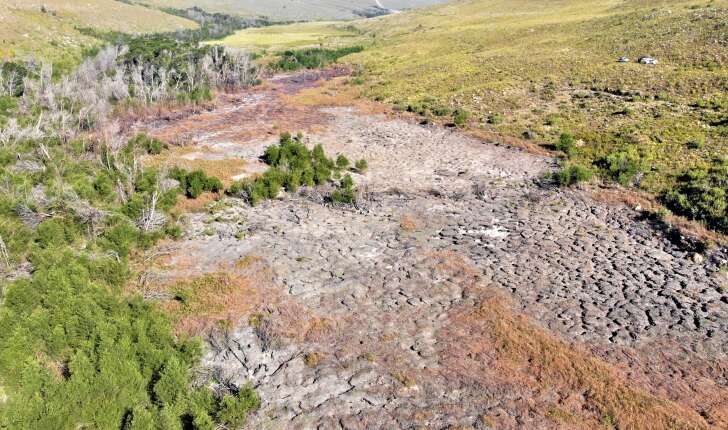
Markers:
point(462, 292)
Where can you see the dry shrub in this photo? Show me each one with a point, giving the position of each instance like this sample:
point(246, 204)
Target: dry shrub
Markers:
point(313, 359)
point(247, 261)
point(211, 300)
point(410, 223)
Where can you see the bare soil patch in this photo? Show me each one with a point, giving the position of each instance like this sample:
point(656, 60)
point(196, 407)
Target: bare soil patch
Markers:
point(464, 293)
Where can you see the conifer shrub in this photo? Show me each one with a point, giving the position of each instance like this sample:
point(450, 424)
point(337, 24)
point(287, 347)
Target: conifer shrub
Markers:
point(571, 174)
point(293, 165)
point(701, 194)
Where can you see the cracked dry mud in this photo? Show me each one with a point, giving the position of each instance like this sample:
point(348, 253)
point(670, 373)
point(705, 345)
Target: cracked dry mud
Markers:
point(362, 322)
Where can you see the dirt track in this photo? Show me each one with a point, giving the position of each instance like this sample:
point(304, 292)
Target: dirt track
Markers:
point(363, 316)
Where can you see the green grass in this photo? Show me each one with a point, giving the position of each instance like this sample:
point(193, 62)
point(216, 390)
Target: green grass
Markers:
point(281, 37)
point(550, 68)
point(544, 69)
point(52, 35)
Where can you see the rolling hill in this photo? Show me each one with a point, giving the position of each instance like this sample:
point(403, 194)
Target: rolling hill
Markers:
point(538, 69)
point(48, 28)
point(293, 9)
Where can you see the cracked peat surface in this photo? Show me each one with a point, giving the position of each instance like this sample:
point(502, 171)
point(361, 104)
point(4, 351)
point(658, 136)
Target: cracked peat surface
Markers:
point(463, 293)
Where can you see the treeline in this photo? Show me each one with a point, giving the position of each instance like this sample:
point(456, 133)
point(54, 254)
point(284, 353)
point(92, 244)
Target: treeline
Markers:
point(214, 25)
point(311, 58)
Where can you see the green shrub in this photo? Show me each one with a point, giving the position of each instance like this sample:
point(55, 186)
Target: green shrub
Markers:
point(361, 165)
point(565, 143)
point(55, 232)
point(461, 117)
point(571, 174)
point(196, 182)
point(702, 194)
point(696, 143)
point(312, 58)
point(234, 409)
point(342, 162)
point(623, 166)
point(149, 145)
point(292, 164)
point(495, 119)
point(75, 351)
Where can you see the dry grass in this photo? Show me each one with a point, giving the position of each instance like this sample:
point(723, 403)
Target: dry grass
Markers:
point(335, 92)
point(313, 359)
point(26, 30)
point(211, 162)
point(211, 300)
point(299, 35)
point(529, 354)
point(495, 346)
point(410, 222)
point(185, 205)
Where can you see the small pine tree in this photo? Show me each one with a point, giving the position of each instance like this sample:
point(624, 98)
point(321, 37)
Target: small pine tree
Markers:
point(362, 165)
point(342, 162)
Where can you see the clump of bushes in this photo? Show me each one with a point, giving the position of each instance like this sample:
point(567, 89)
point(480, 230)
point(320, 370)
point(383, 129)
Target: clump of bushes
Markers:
point(623, 166)
point(196, 182)
point(571, 174)
point(361, 165)
point(345, 193)
point(312, 58)
point(293, 165)
point(461, 117)
point(565, 143)
point(496, 119)
point(702, 194)
point(148, 144)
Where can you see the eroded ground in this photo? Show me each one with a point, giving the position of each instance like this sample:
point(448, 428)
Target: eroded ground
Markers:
point(461, 292)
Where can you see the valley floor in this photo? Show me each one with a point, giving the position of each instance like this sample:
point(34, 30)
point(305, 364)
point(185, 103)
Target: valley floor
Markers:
point(462, 291)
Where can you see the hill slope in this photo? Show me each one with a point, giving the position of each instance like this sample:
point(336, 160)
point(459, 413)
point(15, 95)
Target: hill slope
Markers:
point(47, 28)
point(292, 9)
point(544, 68)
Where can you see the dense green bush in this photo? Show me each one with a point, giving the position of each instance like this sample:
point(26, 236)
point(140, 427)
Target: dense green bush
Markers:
point(292, 165)
point(342, 162)
point(148, 144)
point(345, 193)
point(571, 174)
point(361, 165)
point(312, 58)
point(622, 166)
point(702, 194)
point(76, 349)
point(196, 182)
point(461, 117)
point(565, 143)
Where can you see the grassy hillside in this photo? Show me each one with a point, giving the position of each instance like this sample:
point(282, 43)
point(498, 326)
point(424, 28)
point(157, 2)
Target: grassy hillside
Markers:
point(543, 68)
point(47, 28)
point(291, 9)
